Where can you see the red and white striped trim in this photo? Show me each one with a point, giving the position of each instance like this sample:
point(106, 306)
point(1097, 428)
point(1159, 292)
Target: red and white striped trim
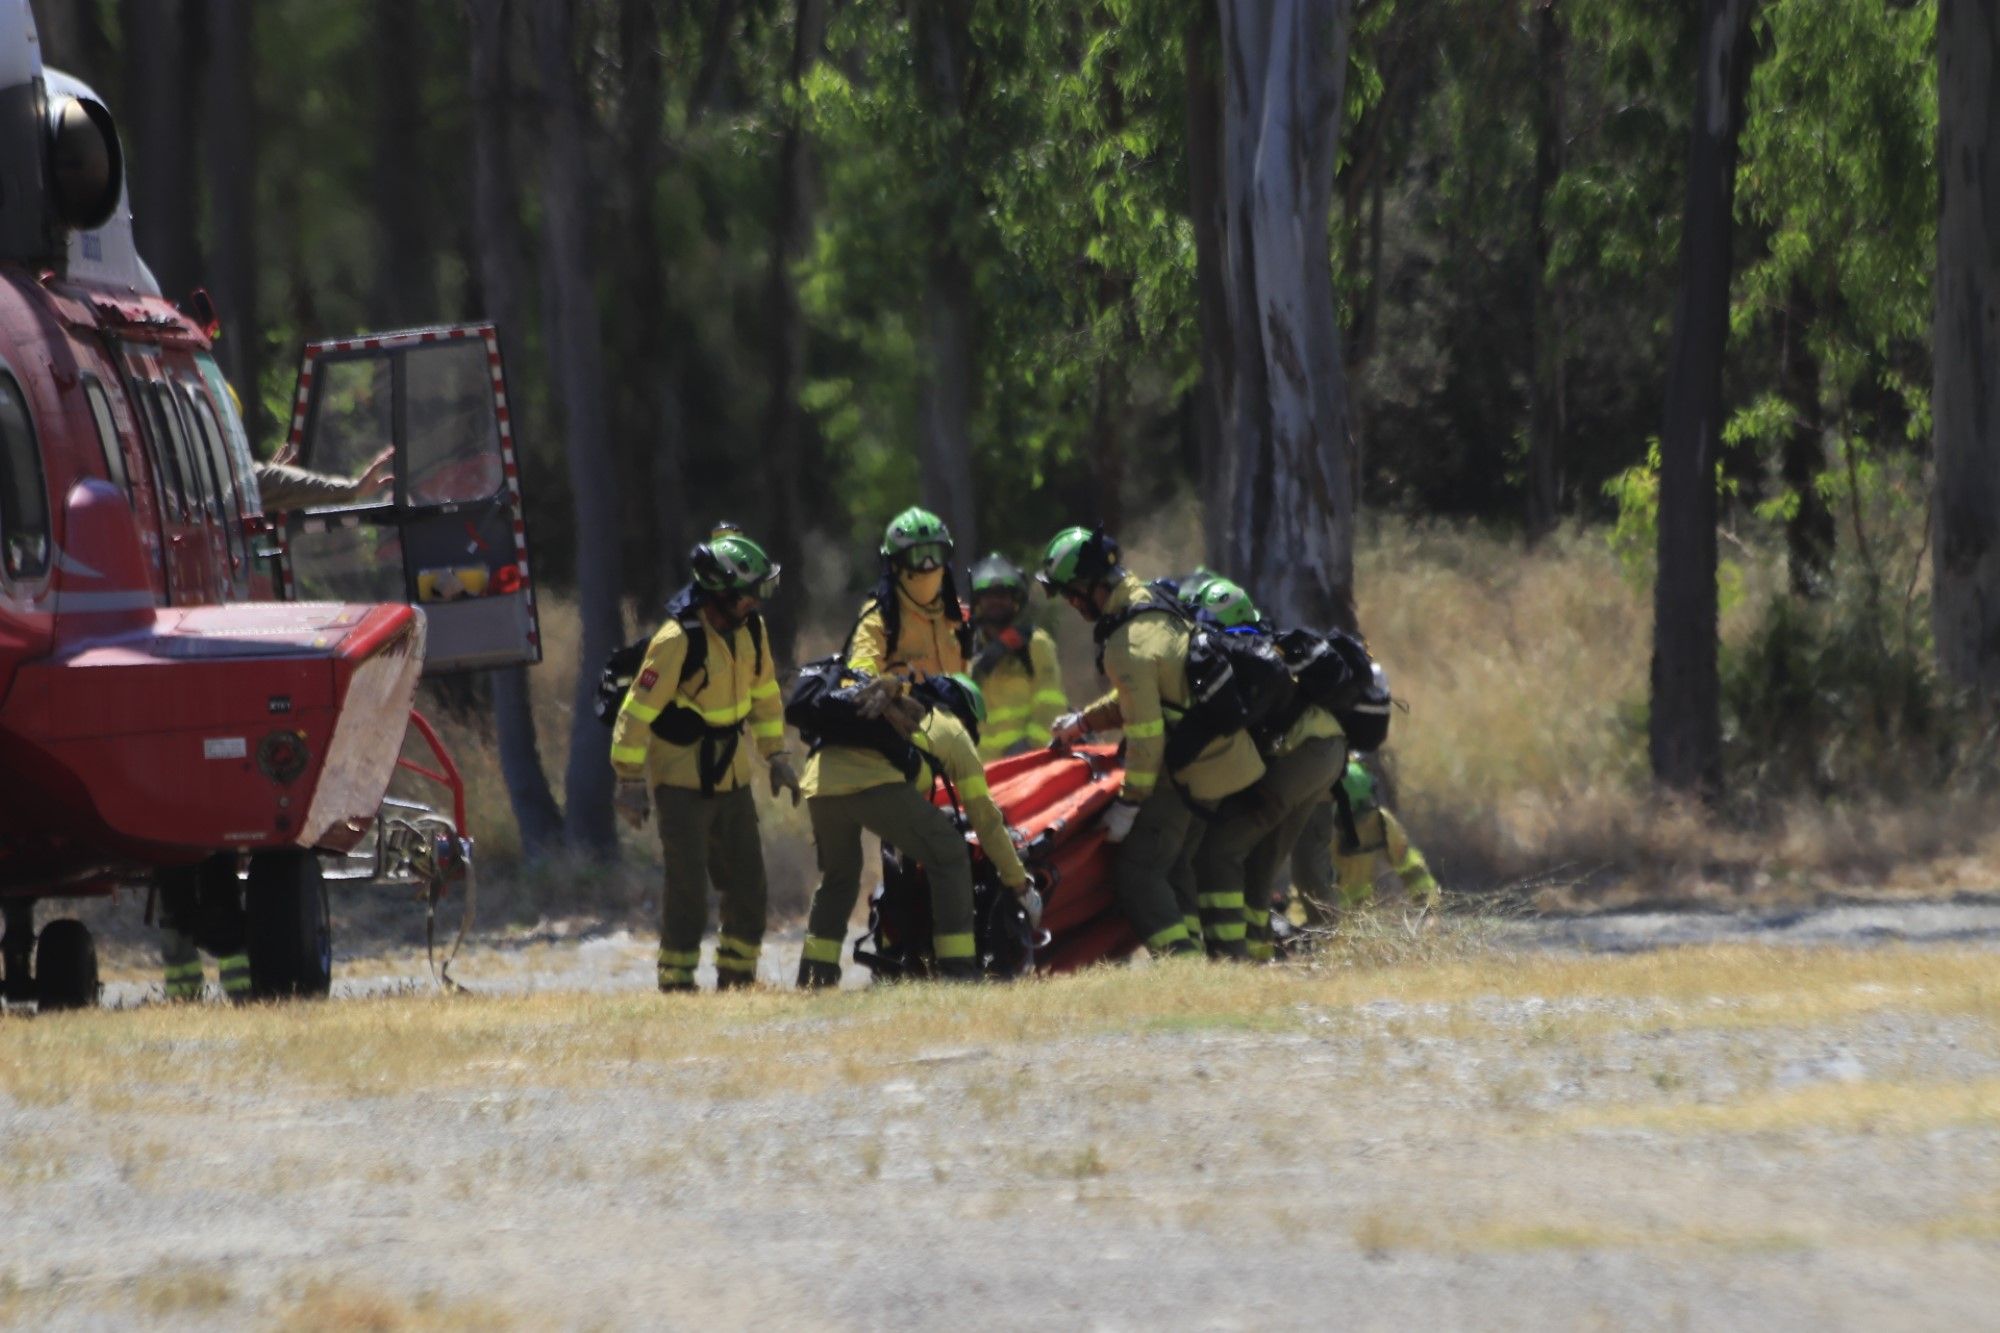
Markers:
point(503, 414)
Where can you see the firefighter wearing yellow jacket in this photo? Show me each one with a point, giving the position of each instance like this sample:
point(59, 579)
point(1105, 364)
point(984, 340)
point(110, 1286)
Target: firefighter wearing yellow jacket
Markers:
point(1157, 819)
point(1366, 832)
point(852, 788)
point(677, 747)
point(1013, 661)
point(912, 625)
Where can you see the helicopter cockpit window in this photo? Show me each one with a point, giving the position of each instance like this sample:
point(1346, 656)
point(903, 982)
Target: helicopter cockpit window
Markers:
point(107, 435)
point(24, 499)
point(451, 454)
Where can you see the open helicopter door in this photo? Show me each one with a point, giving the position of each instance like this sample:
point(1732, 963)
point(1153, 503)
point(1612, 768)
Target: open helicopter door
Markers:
point(445, 530)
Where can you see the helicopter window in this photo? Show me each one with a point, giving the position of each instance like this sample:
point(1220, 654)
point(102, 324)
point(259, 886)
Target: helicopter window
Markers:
point(173, 477)
point(24, 501)
point(192, 499)
point(107, 435)
point(218, 469)
point(243, 466)
point(353, 416)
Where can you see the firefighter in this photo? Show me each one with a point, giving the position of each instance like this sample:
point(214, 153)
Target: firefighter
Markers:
point(912, 625)
point(1256, 831)
point(852, 788)
point(676, 746)
point(285, 486)
point(203, 904)
point(1014, 662)
point(1143, 647)
point(1365, 831)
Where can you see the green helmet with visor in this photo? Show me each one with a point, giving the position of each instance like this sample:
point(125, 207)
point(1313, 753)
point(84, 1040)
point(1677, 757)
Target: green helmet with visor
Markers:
point(917, 539)
point(729, 562)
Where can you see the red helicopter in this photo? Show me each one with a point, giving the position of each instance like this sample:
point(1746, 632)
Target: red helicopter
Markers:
point(190, 685)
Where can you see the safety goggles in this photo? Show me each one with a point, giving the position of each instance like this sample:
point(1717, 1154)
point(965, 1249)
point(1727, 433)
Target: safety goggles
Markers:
point(926, 556)
point(763, 589)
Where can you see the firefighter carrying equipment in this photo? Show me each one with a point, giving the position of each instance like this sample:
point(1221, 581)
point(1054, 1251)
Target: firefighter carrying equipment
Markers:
point(1224, 603)
point(680, 724)
point(1335, 672)
point(1366, 831)
point(851, 789)
point(1077, 560)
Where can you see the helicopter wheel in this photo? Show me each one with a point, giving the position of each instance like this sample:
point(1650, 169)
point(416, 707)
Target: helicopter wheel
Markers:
point(65, 967)
point(290, 935)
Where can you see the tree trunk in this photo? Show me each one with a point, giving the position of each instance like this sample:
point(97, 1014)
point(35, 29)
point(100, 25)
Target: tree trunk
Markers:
point(232, 176)
point(1218, 358)
point(501, 253)
point(1965, 396)
point(161, 74)
point(1809, 532)
point(1291, 533)
point(943, 40)
point(405, 291)
point(578, 357)
point(1546, 409)
point(784, 431)
point(1686, 721)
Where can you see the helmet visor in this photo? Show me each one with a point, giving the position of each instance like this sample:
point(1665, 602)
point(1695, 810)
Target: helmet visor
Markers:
point(926, 555)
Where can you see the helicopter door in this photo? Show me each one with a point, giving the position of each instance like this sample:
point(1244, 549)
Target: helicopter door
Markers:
point(418, 424)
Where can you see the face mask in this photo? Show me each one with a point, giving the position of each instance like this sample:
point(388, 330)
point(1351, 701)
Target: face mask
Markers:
point(925, 586)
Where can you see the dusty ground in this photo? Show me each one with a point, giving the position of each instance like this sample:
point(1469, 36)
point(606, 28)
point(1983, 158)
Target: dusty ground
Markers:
point(1787, 1122)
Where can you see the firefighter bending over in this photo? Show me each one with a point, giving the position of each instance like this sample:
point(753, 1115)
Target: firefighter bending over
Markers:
point(852, 788)
point(1014, 662)
point(677, 748)
point(1365, 831)
point(1142, 643)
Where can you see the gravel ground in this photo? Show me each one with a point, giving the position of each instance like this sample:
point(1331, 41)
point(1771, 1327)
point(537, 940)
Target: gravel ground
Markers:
point(1390, 1165)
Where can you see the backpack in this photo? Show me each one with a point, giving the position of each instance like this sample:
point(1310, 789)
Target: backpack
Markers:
point(1237, 681)
point(1335, 672)
point(615, 677)
point(822, 707)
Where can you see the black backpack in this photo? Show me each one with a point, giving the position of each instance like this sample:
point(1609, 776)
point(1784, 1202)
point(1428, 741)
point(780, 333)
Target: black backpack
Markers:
point(823, 709)
point(1237, 681)
point(1335, 672)
point(614, 679)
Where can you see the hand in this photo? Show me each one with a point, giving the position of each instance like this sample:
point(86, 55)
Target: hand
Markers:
point(381, 472)
point(872, 698)
point(1068, 729)
point(783, 777)
point(1118, 819)
point(634, 801)
point(1031, 903)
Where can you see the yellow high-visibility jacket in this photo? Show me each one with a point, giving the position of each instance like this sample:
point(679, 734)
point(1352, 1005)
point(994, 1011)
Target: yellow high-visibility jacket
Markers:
point(1313, 724)
point(1146, 658)
point(842, 770)
point(926, 640)
point(1022, 698)
point(729, 689)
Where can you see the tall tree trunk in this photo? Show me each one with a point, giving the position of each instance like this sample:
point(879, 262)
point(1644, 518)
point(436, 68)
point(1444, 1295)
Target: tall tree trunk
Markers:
point(162, 71)
point(1291, 534)
point(1546, 407)
point(1200, 44)
point(1686, 721)
point(405, 231)
point(501, 251)
point(652, 438)
point(785, 424)
point(941, 30)
point(1965, 395)
point(577, 339)
point(232, 176)
point(1809, 532)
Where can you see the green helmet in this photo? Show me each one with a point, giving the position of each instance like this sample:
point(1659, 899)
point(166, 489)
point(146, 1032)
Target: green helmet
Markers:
point(959, 694)
point(1076, 556)
point(1226, 604)
point(996, 573)
point(1360, 786)
point(1190, 587)
point(917, 539)
point(731, 562)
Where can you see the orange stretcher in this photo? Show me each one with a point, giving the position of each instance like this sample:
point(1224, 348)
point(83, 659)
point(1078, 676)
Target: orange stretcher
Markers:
point(1051, 800)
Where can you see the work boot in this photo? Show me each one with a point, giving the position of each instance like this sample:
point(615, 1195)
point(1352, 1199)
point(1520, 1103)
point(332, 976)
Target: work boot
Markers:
point(731, 979)
point(959, 969)
point(817, 975)
point(676, 970)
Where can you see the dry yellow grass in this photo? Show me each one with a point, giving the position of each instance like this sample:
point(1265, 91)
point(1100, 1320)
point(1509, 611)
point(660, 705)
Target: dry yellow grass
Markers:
point(745, 1045)
point(1844, 1108)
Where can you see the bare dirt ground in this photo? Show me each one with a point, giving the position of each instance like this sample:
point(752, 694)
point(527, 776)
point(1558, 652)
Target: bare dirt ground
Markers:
point(1787, 1121)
